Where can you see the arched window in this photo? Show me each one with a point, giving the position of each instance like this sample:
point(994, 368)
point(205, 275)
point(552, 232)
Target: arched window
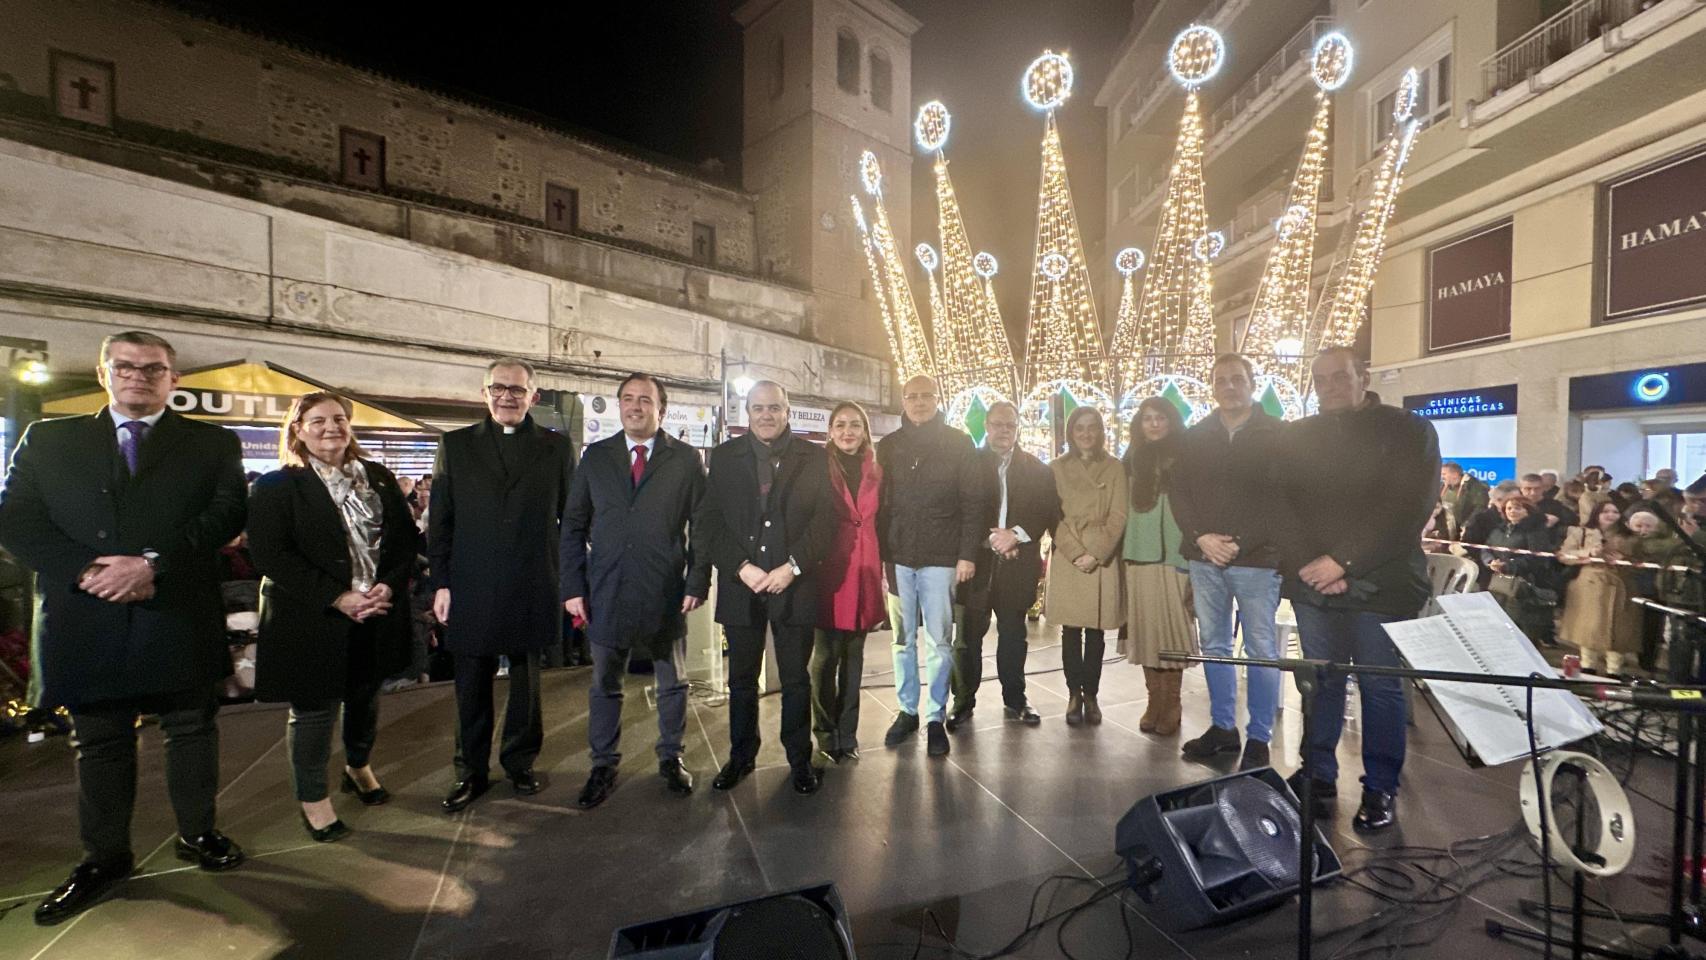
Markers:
point(847, 62)
point(882, 80)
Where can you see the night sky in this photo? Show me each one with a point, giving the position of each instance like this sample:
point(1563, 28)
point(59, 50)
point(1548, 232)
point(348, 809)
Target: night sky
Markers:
point(666, 75)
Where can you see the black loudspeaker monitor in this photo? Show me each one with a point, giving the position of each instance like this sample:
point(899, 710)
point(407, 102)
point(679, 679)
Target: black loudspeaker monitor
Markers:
point(1218, 850)
point(805, 924)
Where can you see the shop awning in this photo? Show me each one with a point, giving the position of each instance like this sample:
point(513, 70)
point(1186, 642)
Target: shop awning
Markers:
point(247, 392)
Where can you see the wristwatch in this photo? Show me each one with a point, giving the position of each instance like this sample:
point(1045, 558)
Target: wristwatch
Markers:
point(794, 565)
point(152, 556)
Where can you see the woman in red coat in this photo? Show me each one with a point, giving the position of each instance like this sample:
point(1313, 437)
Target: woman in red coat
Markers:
point(850, 585)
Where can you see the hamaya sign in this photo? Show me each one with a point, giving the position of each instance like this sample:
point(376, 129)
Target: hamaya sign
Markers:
point(1655, 243)
point(1469, 289)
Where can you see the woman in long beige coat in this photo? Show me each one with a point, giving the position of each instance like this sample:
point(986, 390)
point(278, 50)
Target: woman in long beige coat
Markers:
point(1598, 617)
point(1084, 582)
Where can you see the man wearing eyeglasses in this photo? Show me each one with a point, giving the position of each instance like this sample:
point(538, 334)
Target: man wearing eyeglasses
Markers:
point(121, 515)
point(931, 527)
point(497, 498)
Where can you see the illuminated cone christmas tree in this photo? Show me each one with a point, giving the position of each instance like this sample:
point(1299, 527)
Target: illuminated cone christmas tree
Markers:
point(1176, 318)
point(911, 347)
point(1128, 359)
point(1279, 318)
point(1064, 337)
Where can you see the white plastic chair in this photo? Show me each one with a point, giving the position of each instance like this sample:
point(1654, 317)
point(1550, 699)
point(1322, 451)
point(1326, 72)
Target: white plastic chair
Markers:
point(1449, 574)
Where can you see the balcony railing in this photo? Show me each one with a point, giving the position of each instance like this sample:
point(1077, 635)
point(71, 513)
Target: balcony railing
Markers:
point(1294, 51)
point(1554, 39)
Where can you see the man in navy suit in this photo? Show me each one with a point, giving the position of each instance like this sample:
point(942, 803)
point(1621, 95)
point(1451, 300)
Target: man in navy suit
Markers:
point(631, 575)
point(121, 515)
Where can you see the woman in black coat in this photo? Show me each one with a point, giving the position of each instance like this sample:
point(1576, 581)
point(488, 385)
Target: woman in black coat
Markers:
point(1530, 596)
point(334, 541)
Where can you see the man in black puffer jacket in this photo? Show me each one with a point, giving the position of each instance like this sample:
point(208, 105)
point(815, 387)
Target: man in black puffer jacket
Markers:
point(1357, 482)
point(930, 525)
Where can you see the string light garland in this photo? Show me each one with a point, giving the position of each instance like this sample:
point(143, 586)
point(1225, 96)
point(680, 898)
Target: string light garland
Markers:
point(1127, 343)
point(1175, 323)
point(912, 347)
point(870, 248)
point(1063, 336)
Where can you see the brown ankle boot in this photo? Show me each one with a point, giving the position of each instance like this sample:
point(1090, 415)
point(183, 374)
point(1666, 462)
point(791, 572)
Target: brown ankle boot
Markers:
point(1074, 709)
point(1092, 712)
point(1167, 723)
point(1152, 709)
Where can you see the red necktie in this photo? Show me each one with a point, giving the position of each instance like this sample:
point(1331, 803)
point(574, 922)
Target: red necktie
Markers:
point(639, 468)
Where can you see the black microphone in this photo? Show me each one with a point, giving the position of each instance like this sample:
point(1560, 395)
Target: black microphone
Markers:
point(1653, 698)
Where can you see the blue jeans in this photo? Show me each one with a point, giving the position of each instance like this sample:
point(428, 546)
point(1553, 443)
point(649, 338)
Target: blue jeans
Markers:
point(1354, 636)
point(1256, 591)
point(927, 594)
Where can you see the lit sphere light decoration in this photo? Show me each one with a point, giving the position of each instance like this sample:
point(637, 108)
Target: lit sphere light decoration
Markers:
point(1129, 261)
point(1054, 266)
point(930, 129)
point(1404, 103)
point(1294, 217)
point(1196, 55)
point(926, 255)
point(1330, 65)
point(870, 173)
point(1047, 81)
point(985, 265)
point(1209, 245)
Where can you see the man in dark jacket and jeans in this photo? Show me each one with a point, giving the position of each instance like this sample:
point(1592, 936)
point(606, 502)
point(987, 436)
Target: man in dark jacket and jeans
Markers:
point(1356, 484)
point(1221, 499)
point(931, 527)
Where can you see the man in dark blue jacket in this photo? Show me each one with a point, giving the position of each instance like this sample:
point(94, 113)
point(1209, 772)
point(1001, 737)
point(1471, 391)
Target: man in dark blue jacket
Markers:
point(630, 573)
point(1357, 483)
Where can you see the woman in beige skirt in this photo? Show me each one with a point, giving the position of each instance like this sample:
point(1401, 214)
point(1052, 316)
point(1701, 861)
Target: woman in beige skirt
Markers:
point(1598, 617)
point(1159, 616)
point(1084, 588)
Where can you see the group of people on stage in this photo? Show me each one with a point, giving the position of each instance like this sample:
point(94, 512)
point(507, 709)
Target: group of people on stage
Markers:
point(122, 514)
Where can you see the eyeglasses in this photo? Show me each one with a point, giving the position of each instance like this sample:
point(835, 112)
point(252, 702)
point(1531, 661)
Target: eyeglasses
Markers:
point(130, 371)
point(920, 396)
point(508, 390)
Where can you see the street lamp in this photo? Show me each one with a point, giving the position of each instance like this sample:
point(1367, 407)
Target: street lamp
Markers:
point(743, 385)
point(32, 373)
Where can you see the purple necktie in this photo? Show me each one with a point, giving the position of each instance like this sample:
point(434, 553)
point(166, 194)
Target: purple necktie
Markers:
point(130, 442)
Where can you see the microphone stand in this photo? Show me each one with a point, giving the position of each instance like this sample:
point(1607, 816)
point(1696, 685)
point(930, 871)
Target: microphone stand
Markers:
point(1310, 674)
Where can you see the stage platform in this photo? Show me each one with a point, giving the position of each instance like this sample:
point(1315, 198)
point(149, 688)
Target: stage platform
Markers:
point(967, 838)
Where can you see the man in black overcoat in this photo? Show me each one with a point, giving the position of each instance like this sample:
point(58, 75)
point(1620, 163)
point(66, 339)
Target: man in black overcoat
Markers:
point(121, 515)
point(497, 499)
point(1023, 505)
point(762, 524)
point(631, 575)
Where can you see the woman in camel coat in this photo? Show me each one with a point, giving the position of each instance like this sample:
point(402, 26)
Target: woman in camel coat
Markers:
point(1598, 617)
point(1085, 585)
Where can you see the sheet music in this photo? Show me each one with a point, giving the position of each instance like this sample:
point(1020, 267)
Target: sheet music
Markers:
point(1474, 635)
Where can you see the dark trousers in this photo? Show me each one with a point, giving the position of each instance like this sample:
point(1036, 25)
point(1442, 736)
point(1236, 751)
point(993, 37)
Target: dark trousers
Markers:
point(1081, 650)
point(746, 656)
point(104, 735)
point(524, 726)
point(308, 737)
point(1000, 598)
point(837, 667)
point(604, 721)
point(1354, 636)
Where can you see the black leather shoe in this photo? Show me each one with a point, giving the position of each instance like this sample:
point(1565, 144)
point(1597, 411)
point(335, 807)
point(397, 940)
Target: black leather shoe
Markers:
point(937, 739)
point(1024, 714)
point(958, 718)
point(1324, 798)
point(807, 779)
point(1215, 740)
point(598, 787)
point(675, 776)
point(904, 725)
point(88, 883)
point(1378, 811)
point(330, 833)
point(1255, 756)
point(525, 783)
point(372, 798)
point(732, 774)
point(210, 851)
point(465, 792)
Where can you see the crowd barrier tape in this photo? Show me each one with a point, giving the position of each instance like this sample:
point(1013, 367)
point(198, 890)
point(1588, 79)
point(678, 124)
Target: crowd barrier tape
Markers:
point(1518, 551)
